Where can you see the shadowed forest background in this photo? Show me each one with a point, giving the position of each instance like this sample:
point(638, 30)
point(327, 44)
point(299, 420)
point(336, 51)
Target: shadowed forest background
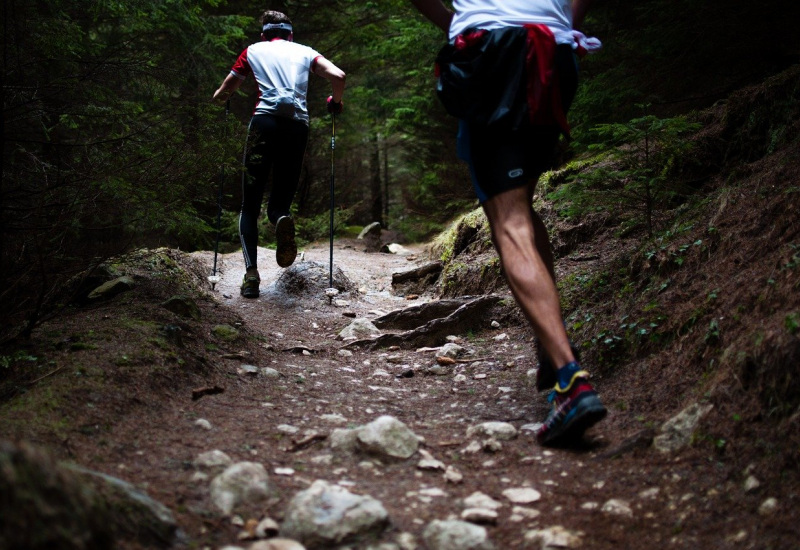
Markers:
point(111, 143)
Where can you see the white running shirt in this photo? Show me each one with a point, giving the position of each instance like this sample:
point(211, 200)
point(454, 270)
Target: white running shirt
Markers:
point(281, 69)
point(495, 14)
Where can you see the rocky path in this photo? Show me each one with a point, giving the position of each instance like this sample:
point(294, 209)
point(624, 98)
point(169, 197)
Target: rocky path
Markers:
point(297, 436)
point(393, 449)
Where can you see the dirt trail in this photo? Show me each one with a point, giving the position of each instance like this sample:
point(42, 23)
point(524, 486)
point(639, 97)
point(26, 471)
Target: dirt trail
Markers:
point(615, 491)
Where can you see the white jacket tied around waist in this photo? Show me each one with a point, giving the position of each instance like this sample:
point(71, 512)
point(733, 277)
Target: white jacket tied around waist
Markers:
point(496, 14)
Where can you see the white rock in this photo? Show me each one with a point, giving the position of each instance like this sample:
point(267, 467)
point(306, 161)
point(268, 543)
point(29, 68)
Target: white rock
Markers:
point(751, 484)
point(323, 459)
point(202, 423)
point(522, 495)
point(529, 513)
point(451, 350)
point(555, 537)
point(359, 328)
point(432, 492)
point(211, 460)
point(428, 462)
point(649, 493)
point(677, 432)
point(500, 337)
point(473, 447)
point(617, 507)
point(768, 507)
point(590, 505)
point(531, 428)
point(481, 500)
point(329, 516)
point(502, 431)
point(387, 436)
point(344, 441)
point(241, 483)
point(284, 471)
point(452, 475)
point(287, 429)
point(277, 544)
point(344, 353)
point(407, 541)
point(248, 369)
point(269, 372)
point(456, 535)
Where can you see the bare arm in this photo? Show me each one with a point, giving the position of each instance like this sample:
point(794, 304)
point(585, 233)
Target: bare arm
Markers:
point(579, 9)
point(228, 86)
point(436, 11)
point(334, 74)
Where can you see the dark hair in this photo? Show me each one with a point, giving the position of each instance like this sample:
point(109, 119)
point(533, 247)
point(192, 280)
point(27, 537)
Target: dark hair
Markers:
point(270, 17)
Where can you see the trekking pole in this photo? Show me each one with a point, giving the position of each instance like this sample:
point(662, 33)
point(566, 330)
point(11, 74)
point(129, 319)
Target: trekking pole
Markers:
point(214, 278)
point(333, 147)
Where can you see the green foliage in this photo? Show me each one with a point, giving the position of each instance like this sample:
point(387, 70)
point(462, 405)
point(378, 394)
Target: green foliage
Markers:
point(103, 138)
point(635, 180)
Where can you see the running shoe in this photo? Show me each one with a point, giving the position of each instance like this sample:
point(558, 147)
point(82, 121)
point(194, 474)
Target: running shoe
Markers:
point(576, 408)
point(287, 248)
point(250, 286)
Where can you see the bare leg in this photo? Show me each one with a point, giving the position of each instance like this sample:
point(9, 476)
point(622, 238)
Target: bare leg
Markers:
point(521, 240)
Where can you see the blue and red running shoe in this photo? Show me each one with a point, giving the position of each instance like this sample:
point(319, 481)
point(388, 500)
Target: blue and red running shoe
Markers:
point(576, 408)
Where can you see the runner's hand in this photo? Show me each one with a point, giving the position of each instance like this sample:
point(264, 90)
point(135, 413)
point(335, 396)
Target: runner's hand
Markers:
point(334, 107)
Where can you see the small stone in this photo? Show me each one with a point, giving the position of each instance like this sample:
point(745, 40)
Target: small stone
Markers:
point(617, 507)
point(287, 429)
point(452, 475)
point(344, 353)
point(500, 337)
point(554, 537)
point(202, 423)
point(768, 507)
point(269, 372)
point(428, 462)
point(248, 369)
point(480, 500)
point(495, 324)
point(496, 430)
point(524, 495)
point(529, 513)
point(472, 448)
point(751, 484)
point(649, 493)
point(432, 492)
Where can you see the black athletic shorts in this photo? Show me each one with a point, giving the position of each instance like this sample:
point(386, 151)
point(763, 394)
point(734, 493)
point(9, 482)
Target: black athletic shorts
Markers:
point(500, 159)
